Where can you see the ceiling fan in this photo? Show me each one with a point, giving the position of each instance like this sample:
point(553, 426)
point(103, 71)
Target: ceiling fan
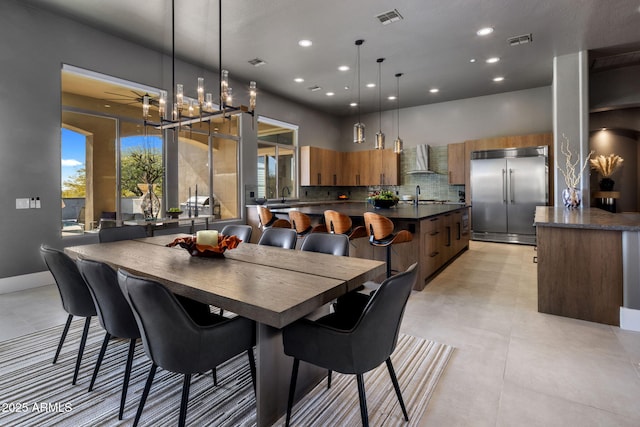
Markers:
point(131, 99)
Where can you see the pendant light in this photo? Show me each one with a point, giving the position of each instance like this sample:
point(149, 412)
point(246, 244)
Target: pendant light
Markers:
point(379, 145)
point(358, 128)
point(397, 144)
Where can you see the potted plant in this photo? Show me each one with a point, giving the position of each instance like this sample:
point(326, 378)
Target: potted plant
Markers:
point(572, 173)
point(606, 166)
point(174, 212)
point(383, 199)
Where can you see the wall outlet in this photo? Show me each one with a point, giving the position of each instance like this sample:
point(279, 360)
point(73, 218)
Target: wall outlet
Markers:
point(38, 204)
point(32, 203)
point(22, 203)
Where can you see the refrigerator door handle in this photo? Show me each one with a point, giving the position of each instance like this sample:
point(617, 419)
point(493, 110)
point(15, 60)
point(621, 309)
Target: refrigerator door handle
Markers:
point(511, 186)
point(504, 186)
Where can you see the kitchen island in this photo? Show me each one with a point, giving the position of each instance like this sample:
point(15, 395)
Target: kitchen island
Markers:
point(588, 265)
point(440, 233)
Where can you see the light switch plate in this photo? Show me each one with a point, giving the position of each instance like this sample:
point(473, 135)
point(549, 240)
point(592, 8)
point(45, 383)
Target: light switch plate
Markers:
point(22, 203)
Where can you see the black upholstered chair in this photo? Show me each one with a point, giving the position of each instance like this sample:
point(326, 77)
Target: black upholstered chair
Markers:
point(114, 313)
point(76, 299)
point(280, 237)
point(127, 232)
point(340, 343)
point(326, 243)
point(173, 341)
point(242, 231)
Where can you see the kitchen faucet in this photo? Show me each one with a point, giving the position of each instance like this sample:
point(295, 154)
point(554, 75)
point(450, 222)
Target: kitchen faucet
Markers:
point(415, 202)
point(288, 192)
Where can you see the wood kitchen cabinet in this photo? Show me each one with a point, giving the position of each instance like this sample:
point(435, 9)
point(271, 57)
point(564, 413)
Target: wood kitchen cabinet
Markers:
point(456, 164)
point(355, 168)
point(319, 166)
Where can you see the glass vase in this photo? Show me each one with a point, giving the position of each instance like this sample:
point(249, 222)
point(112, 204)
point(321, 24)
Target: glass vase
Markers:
point(571, 197)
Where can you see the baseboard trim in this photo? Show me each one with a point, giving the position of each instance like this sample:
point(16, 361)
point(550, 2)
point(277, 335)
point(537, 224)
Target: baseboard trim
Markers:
point(629, 319)
point(25, 281)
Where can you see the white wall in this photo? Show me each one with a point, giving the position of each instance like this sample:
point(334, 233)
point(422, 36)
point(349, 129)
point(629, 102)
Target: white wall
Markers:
point(511, 113)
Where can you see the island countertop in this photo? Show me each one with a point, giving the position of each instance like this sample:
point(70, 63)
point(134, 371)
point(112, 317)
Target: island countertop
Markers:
point(357, 209)
point(586, 218)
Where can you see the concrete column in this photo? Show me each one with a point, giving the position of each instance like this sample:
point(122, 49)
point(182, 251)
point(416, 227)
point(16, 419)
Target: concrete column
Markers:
point(571, 117)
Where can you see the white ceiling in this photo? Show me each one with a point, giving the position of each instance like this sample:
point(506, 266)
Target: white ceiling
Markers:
point(432, 45)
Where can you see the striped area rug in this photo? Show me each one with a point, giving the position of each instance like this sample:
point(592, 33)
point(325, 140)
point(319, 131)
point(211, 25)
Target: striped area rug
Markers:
point(34, 392)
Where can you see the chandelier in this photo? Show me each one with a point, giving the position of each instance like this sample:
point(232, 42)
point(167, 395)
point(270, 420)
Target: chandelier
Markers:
point(358, 128)
point(379, 143)
point(398, 144)
point(185, 111)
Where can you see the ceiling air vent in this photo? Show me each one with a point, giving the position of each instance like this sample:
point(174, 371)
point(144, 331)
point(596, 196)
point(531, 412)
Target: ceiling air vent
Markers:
point(389, 17)
point(314, 88)
point(257, 62)
point(518, 40)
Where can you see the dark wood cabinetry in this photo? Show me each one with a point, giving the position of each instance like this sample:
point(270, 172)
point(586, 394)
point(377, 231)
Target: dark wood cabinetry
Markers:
point(456, 164)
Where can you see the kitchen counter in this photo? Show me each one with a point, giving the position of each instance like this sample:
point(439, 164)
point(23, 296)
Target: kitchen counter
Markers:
point(357, 209)
point(586, 218)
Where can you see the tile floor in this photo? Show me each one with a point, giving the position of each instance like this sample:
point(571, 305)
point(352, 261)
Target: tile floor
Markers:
point(512, 365)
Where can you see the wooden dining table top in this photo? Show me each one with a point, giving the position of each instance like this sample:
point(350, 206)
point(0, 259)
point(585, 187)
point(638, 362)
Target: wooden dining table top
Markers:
point(270, 285)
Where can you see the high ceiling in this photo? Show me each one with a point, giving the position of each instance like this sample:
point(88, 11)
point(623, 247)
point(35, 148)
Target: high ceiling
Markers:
point(432, 45)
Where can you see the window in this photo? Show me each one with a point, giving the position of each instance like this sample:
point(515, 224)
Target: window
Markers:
point(277, 160)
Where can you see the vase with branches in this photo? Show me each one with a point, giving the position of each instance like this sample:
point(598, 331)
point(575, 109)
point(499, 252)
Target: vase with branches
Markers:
point(606, 166)
point(572, 172)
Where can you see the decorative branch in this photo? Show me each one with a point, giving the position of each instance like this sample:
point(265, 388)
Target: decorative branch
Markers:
point(571, 178)
point(606, 165)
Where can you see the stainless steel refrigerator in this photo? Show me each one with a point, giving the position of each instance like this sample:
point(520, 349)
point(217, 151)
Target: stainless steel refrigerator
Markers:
point(506, 187)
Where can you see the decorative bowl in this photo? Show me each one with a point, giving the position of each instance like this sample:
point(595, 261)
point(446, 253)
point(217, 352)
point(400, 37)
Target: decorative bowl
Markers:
point(224, 242)
point(174, 215)
point(384, 203)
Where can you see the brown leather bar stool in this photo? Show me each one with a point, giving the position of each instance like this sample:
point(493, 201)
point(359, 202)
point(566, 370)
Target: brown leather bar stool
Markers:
point(267, 219)
point(340, 223)
point(302, 224)
point(380, 230)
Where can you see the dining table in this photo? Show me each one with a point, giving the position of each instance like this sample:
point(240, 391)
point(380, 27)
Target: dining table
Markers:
point(270, 285)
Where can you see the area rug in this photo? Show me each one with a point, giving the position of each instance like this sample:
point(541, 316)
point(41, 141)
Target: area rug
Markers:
point(34, 392)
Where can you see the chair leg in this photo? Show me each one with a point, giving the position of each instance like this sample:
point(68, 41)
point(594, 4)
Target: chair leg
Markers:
point(329, 378)
point(185, 400)
point(127, 374)
point(252, 367)
point(62, 338)
point(214, 373)
point(103, 349)
point(388, 261)
point(292, 390)
point(83, 341)
point(145, 393)
point(396, 386)
point(363, 401)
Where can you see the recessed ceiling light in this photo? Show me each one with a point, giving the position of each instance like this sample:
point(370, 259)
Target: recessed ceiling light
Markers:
point(344, 68)
point(493, 60)
point(472, 60)
point(434, 90)
point(305, 43)
point(298, 80)
point(330, 93)
point(484, 31)
point(346, 88)
point(371, 85)
point(353, 104)
point(498, 79)
point(391, 98)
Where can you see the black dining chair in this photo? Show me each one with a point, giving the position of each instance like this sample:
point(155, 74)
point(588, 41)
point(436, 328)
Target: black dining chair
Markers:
point(339, 343)
point(243, 232)
point(280, 237)
point(326, 243)
point(173, 341)
point(75, 296)
point(114, 313)
point(126, 232)
point(183, 229)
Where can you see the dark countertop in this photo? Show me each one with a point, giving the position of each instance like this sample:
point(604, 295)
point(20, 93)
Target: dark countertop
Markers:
point(357, 209)
point(586, 218)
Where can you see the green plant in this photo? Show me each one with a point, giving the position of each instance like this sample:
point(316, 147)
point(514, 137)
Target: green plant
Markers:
point(178, 210)
point(383, 195)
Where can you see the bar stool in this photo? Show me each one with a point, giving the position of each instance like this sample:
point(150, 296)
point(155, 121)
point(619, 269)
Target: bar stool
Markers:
point(267, 219)
point(302, 224)
point(339, 223)
point(380, 230)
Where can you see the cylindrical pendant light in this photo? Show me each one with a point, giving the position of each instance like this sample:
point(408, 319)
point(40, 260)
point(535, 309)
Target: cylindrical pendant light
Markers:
point(398, 144)
point(379, 145)
point(358, 128)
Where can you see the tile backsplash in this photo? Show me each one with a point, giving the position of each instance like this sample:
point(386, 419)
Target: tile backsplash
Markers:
point(432, 186)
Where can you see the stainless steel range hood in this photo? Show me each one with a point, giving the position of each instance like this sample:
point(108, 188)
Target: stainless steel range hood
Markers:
point(422, 160)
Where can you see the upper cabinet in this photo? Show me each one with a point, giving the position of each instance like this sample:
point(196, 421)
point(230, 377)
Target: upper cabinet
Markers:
point(455, 157)
point(319, 166)
point(322, 167)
